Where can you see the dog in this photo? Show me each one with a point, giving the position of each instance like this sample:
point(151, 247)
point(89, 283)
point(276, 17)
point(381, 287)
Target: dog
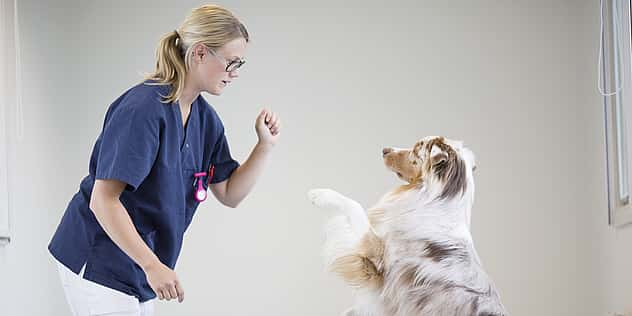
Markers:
point(412, 253)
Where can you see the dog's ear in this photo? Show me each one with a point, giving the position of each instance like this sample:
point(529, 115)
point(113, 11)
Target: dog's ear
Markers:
point(437, 155)
point(433, 150)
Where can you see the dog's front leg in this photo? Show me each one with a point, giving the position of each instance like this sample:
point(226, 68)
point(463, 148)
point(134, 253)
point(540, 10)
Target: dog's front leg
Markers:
point(332, 200)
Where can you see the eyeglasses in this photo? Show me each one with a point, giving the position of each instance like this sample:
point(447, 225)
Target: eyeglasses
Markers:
point(231, 65)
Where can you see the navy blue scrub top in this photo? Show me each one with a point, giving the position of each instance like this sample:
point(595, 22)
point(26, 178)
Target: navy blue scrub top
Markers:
point(144, 144)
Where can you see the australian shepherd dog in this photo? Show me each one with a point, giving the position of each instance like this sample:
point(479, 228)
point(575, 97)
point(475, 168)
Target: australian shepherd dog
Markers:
point(412, 253)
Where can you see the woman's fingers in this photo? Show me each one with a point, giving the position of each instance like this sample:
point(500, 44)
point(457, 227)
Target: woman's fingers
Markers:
point(180, 291)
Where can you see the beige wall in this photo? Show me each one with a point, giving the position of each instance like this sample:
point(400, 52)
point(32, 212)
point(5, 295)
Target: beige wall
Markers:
point(514, 80)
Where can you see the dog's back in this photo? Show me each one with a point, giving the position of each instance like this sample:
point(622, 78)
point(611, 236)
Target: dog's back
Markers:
point(436, 277)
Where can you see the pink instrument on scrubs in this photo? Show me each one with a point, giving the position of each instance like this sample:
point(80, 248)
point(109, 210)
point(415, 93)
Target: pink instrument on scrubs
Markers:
point(200, 192)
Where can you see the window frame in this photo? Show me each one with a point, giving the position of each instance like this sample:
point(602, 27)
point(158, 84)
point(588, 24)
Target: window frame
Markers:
point(616, 88)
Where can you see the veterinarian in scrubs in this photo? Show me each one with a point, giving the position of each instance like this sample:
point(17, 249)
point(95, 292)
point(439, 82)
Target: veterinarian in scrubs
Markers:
point(161, 146)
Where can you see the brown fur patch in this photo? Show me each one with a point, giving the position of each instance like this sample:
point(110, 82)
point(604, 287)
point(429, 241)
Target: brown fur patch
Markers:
point(364, 268)
point(442, 251)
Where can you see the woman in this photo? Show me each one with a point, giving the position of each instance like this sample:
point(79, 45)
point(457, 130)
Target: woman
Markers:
point(161, 145)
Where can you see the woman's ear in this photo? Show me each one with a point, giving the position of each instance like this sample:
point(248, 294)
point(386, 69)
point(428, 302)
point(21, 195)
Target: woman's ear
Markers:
point(199, 51)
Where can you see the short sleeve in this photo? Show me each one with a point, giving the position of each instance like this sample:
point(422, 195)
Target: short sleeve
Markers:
point(222, 160)
point(129, 145)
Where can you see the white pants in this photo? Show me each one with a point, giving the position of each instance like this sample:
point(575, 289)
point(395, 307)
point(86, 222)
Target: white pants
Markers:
point(87, 298)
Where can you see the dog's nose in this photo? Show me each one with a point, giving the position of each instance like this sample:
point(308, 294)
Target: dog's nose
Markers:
point(385, 151)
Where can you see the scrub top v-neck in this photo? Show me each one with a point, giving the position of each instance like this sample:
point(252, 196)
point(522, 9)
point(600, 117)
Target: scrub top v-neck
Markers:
point(144, 144)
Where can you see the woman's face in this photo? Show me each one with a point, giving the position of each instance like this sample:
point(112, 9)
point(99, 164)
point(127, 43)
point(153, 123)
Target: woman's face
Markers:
point(210, 66)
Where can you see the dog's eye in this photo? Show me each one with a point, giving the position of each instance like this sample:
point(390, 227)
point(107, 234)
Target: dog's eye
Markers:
point(414, 162)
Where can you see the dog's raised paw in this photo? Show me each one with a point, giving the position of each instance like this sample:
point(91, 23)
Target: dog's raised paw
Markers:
point(325, 198)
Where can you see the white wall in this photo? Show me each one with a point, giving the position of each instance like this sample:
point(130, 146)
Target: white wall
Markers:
point(514, 80)
point(41, 160)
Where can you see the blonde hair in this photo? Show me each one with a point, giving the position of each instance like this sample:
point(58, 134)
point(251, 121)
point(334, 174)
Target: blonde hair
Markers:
point(210, 25)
